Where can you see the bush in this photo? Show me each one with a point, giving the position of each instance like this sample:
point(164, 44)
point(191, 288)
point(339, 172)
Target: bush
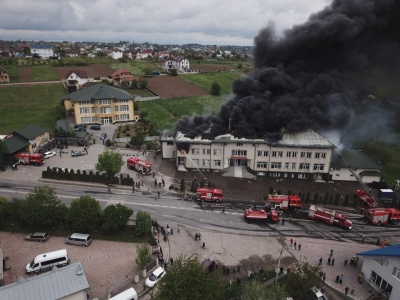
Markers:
point(215, 89)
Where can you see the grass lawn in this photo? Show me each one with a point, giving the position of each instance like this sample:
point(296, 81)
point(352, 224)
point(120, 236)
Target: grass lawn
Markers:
point(13, 71)
point(165, 113)
point(205, 80)
point(44, 73)
point(29, 104)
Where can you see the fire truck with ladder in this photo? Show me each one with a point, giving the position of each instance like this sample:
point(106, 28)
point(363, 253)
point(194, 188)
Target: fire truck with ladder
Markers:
point(254, 215)
point(365, 200)
point(284, 202)
point(26, 158)
point(329, 217)
point(209, 194)
point(382, 216)
point(139, 165)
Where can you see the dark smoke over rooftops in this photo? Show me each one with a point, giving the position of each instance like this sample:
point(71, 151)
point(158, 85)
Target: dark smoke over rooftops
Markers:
point(309, 77)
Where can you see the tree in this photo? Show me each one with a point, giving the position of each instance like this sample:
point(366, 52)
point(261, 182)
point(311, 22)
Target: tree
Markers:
point(84, 214)
point(143, 83)
point(138, 138)
point(143, 223)
point(3, 211)
point(188, 279)
point(42, 208)
point(302, 278)
point(173, 72)
point(143, 255)
point(215, 89)
point(110, 162)
point(256, 290)
point(115, 217)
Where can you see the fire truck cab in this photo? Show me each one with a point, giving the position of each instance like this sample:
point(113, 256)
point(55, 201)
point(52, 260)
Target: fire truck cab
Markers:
point(209, 194)
point(382, 216)
point(26, 158)
point(284, 202)
point(139, 165)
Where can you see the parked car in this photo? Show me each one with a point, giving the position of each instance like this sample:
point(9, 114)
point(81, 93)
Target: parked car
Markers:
point(37, 237)
point(155, 277)
point(95, 127)
point(49, 154)
point(80, 128)
point(318, 294)
point(77, 153)
point(80, 239)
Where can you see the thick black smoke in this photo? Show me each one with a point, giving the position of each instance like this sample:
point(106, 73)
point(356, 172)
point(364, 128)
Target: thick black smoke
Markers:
point(311, 77)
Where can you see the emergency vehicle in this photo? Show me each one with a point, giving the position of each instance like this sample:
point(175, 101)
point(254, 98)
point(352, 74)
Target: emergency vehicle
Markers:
point(139, 165)
point(209, 194)
point(329, 217)
point(284, 202)
point(254, 215)
point(382, 216)
point(26, 158)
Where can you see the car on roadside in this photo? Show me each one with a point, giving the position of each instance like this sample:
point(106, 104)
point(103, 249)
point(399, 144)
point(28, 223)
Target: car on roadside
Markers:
point(77, 153)
point(155, 277)
point(49, 154)
point(95, 127)
point(37, 237)
point(318, 294)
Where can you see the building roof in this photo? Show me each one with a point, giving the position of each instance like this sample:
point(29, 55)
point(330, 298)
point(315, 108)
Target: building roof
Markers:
point(31, 131)
point(307, 138)
point(41, 46)
point(80, 73)
point(98, 92)
point(355, 159)
point(385, 251)
point(56, 284)
point(14, 144)
point(20, 138)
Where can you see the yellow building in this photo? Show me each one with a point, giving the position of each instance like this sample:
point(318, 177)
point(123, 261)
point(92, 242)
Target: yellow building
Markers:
point(101, 104)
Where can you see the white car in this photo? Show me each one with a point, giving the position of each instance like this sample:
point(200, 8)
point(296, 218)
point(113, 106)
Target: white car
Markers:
point(318, 294)
point(49, 154)
point(155, 277)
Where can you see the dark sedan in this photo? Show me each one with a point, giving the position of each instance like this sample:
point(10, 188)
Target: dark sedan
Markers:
point(77, 153)
point(95, 127)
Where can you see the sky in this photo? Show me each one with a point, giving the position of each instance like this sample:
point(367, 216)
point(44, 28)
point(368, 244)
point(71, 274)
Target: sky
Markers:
point(206, 22)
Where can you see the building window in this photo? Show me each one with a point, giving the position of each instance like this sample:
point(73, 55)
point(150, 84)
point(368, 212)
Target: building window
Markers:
point(276, 153)
point(262, 165)
point(303, 176)
point(105, 110)
point(275, 174)
point(217, 163)
point(94, 119)
point(239, 152)
point(304, 166)
point(318, 167)
point(286, 166)
point(195, 162)
point(262, 153)
point(305, 154)
point(206, 151)
point(217, 152)
point(124, 117)
point(84, 103)
point(85, 119)
point(276, 165)
point(84, 110)
point(195, 151)
point(320, 155)
point(293, 166)
point(380, 282)
point(124, 108)
point(396, 272)
point(239, 144)
point(206, 162)
point(291, 154)
point(105, 102)
point(336, 169)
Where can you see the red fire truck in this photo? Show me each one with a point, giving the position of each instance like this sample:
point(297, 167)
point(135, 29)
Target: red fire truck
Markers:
point(209, 194)
point(382, 216)
point(365, 200)
point(328, 216)
point(254, 215)
point(139, 165)
point(26, 158)
point(284, 202)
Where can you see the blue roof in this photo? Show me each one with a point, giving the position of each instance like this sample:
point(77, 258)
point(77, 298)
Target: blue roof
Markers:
point(385, 251)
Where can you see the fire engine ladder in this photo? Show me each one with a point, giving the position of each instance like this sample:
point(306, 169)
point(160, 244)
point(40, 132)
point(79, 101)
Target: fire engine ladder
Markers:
point(366, 187)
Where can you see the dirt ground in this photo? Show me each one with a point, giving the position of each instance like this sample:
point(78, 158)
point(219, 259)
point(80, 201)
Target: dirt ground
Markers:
point(173, 86)
point(93, 71)
point(25, 74)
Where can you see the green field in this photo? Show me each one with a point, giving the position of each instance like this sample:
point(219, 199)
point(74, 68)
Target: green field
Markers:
point(205, 80)
point(44, 73)
point(21, 105)
point(165, 113)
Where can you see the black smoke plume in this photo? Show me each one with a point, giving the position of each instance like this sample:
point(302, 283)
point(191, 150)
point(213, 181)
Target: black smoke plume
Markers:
point(311, 77)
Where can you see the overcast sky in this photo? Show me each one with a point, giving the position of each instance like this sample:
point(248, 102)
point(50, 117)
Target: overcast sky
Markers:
point(219, 22)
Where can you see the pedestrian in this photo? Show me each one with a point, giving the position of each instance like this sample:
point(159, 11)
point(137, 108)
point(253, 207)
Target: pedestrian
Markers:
point(320, 261)
point(341, 278)
point(60, 154)
point(287, 271)
point(360, 276)
point(323, 277)
point(223, 211)
point(238, 268)
point(133, 188)
point(172, 231)
point(223, 270)
point(291, 242)
point(331, 252)
point(353, 290)
point(283, 221)
point(329, 261)
point(199, 236)
point(299, 246)
point(227, 268)
point(281, 270)
point(163, 183)
point(337, 279)
point(362, 239)
point(158, 193)
point(355, 262)
point(155, 182)
point(108, 190)
point(378, 241)
point(153, 174)
point(203, 246)
point(178, 228)
point(332, 261)
point(171, 260)
point(352, 261)
point(345, 262)
point(346, 290)
point(295, 244)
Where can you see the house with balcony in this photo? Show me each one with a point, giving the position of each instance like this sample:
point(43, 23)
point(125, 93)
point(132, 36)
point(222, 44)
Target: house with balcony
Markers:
point(101, 104)
point(181, 64)
point(123, 76)
point(42, 50)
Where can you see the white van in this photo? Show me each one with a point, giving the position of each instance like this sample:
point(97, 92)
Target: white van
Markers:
point(80, 239)
point(47, 261)
point(129, 294)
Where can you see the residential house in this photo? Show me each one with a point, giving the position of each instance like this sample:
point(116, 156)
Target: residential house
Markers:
point(4, 76)
point(65, 283)
point(27, 139)
point(144, 54)
point(381, 270)
point(43, 50)
point(102, 104)
point(181, 64)
point(353, 165)
point(75, 79)
point(115, 53)
point(123, 75)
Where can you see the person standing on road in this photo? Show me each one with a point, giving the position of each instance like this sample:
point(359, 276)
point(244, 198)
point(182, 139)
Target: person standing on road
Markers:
point(108, 190)
point(332, 261)
point(158, 193)
point(346, 290)
point(291, 242)
point(295, 245)
point(320, 261)
point(329, 261)
point(299, 246)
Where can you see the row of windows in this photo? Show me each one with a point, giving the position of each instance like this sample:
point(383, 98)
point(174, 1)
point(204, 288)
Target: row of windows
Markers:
point(122, 117)
point(290, 166)
point(103, 110)
point(206, 162)
point(104, 102)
